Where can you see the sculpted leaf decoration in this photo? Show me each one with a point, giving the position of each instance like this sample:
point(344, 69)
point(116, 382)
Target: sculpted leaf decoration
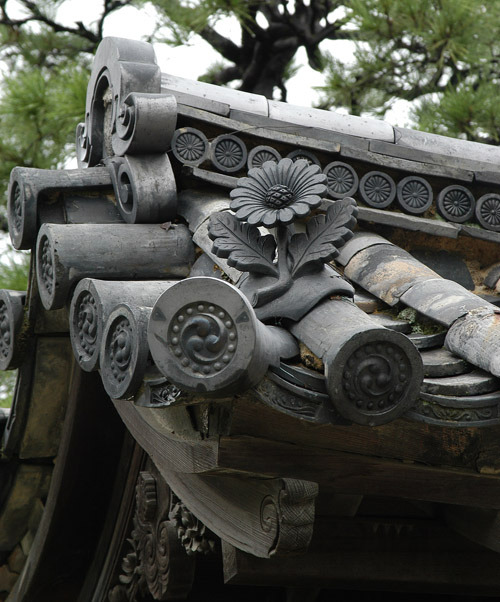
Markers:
point(242, 245)
point(324, 235)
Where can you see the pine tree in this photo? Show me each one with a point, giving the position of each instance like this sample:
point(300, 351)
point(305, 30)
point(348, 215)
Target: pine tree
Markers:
point(444, 55)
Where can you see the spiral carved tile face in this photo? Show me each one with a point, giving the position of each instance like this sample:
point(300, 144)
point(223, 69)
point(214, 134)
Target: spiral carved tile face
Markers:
point(375, 377)
point(203, 338)
point(342, 180)
point(414, 195)
point(46, 269)
point(229, 154)
point(87, 324)
point(377, 189)
point(119, 349)
point(17, 208)
point(125, 122)
point(189, 146)
point(5, 331)
point(488, 212)
point(456, 204)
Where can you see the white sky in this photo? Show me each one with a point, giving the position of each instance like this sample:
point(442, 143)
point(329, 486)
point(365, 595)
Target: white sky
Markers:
point(193, 61)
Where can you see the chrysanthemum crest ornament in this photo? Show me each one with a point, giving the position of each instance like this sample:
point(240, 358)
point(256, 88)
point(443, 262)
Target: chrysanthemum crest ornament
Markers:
point(287, 271)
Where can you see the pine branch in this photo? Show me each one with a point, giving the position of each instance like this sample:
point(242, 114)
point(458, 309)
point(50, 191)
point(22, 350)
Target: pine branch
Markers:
point(109, 7)
point(224, 76)
point(228, 49)
point(80, 30)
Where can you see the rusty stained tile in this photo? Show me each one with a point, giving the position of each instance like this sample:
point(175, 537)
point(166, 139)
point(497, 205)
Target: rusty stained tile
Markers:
point(387, 271)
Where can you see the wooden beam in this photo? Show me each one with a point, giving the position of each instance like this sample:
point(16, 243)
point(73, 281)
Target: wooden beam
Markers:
point(375, 554)
point(357, 474)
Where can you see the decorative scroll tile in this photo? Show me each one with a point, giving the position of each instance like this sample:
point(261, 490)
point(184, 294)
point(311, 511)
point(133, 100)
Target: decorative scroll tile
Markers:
point(342, 180)
point(86, 323)
point(414, 195)
point(11, 321)
point(189, 146)
point(92, 302)
point(377, 189)
point(456, 204)
point(124, 350)
point(144, 187)
point(228, 153)
point(140, 115)
point(16, 208)
point(373, 374)
point(204, 337)
point(376, 382)
point(488, 211)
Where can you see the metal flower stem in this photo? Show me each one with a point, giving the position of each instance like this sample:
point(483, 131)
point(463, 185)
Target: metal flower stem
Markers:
point(284, 282)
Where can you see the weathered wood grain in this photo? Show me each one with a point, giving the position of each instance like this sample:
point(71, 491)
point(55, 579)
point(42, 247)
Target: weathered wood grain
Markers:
point(402, 440)
point(356, 474)
point(47, 406)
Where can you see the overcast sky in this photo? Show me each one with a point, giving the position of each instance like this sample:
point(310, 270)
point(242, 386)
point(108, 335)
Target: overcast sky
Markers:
point(193, 60)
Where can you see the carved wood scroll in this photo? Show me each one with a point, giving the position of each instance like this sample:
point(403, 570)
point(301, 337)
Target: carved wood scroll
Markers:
point(159, 560)
point(264, 517)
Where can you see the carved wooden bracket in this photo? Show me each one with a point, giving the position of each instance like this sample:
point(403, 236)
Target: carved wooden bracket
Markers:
point(158, 563)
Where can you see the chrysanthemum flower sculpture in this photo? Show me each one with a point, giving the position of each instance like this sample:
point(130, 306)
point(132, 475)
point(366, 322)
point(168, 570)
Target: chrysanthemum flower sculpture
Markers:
point(277, 195)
